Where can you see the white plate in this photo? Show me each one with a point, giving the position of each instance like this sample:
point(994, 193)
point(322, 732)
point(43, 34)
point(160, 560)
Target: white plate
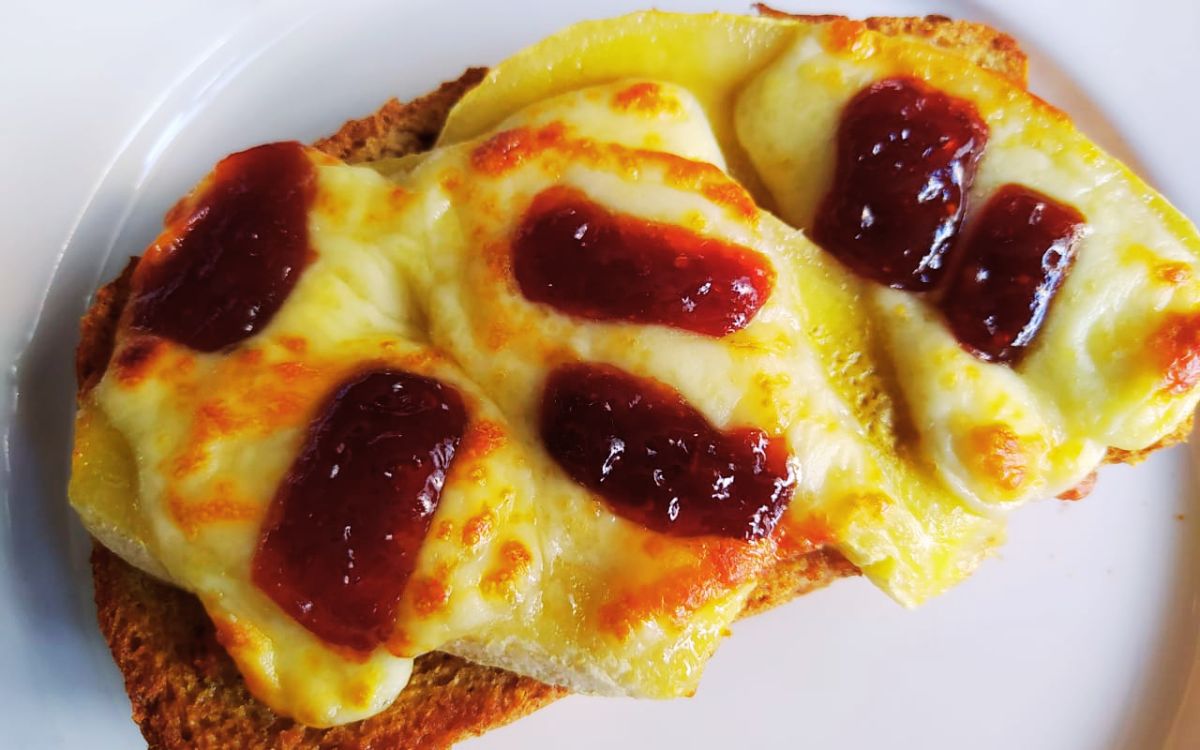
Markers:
point(1081, 634)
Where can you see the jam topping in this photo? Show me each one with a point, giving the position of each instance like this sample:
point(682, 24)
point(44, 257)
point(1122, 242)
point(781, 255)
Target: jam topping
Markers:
point(240, 251)
point(582, 259)
point(906, 157)
point(656, 460)
point(1015, 258)
point(344, 529)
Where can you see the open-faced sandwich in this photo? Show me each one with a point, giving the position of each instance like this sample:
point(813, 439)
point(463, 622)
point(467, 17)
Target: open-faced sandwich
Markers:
point(538, 382)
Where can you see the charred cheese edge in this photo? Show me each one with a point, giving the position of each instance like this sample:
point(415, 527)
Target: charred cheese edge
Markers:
point(670, 118)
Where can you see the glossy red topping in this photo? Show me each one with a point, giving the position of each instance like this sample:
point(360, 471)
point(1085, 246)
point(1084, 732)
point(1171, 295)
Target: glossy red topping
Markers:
point(349, 518)
point(582, 259)
point(238, 255)
point(906, 156)
point(656, 460)
point(1015, 259)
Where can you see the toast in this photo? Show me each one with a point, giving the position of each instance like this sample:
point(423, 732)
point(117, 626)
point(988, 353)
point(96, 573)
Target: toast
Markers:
point(185, 690)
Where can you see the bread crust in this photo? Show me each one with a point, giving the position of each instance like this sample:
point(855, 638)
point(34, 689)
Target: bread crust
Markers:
point(979, 43)
point(186, 692)
point(184, 689)
point(399, 128)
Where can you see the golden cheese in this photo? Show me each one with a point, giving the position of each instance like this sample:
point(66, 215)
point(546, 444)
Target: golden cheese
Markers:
point(906, 448)
point(1059, 426)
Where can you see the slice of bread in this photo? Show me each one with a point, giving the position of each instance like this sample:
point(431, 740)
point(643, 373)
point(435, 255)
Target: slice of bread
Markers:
point(184, 689)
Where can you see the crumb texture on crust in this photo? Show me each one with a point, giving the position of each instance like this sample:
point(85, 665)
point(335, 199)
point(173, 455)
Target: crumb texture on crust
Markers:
point(981, 44)
point(98, 329)
point(795, 576)
point(399, 128)
point(186, 691)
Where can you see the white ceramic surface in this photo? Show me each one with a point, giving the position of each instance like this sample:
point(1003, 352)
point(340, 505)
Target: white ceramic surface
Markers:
point(1080, 635)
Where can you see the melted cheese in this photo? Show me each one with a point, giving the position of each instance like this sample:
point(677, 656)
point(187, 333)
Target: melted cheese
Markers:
point(906, 448)
point(213, 434)
point(618, 600)
point(999, 435)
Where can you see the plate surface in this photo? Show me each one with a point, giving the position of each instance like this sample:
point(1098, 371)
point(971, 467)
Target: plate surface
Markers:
point(1081, 634)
